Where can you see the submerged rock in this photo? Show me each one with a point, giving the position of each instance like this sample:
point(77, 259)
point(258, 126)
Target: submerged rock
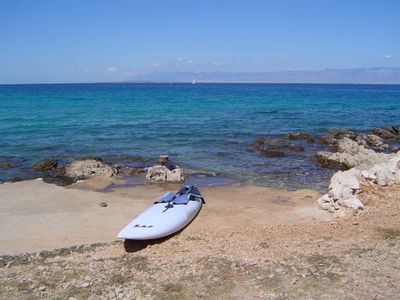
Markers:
point(269, 147)
point(46, 165)
point(301, 136)
point(82, 169)
point(161, 173)
point(6, 165)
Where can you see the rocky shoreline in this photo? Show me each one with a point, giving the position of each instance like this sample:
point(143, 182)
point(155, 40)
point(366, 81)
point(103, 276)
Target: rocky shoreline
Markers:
point(275, 244)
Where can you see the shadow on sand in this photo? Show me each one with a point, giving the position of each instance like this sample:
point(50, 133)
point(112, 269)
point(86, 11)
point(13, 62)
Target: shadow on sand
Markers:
point(136, 245)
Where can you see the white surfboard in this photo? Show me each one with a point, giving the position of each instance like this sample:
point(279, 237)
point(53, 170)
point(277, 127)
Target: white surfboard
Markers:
point(161, 220)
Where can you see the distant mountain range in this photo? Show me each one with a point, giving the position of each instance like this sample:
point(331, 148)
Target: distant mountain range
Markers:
point(379, 75)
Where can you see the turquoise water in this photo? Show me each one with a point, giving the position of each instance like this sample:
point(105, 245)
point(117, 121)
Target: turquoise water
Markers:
point(203, 126)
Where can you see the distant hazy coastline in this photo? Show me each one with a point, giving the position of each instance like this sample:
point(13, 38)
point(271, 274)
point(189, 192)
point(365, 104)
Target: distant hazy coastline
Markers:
point(378, 75)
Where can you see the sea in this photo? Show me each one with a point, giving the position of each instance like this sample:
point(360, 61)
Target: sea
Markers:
point(202, 127)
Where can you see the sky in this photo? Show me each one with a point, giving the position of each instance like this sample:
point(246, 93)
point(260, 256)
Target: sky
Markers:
point(90, 41)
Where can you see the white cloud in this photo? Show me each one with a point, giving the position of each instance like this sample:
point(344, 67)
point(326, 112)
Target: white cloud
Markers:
point(388, 56)
point(156, 65)
point(112, 69)
point(87, 70)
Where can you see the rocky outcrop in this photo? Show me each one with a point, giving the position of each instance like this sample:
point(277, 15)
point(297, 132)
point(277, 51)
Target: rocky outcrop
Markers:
point(301, 136)
point(389, 134)
point(82, 169)
point(269, 147)
point(351, 154)
point(384, 173)
point(369, 141)
point(160, 173)
point(50, 164)
point(344, 195)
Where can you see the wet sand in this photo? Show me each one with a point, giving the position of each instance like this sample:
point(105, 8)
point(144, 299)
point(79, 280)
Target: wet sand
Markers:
point(39, 216)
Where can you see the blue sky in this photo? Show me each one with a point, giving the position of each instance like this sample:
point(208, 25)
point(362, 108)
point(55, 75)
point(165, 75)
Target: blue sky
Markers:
point(87, 41)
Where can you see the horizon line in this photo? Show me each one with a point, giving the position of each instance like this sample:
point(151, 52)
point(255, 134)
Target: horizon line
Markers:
point(196, 82)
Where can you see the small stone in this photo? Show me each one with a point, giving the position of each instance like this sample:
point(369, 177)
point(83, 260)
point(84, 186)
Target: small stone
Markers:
point(42, 288)
point(103, 204)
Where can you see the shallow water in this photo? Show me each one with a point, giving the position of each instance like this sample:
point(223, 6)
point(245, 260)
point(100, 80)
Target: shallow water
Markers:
point(203, 126)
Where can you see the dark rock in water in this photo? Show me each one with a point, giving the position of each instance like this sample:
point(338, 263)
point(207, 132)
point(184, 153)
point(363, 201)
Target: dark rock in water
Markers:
point(135, 171)
point(296, 148)
point(269, 147)
point(337, 134)
point(301, 136)
point(46, 165)
point(272, 153)
point(6, 165)
point(390, 134)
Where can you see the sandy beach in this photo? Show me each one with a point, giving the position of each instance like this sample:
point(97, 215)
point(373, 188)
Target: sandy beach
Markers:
point(39, 216)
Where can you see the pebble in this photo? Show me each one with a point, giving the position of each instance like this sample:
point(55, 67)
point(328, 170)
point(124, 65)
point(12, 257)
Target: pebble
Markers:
point(103, 204)
point(42, 288)
point(84, 285)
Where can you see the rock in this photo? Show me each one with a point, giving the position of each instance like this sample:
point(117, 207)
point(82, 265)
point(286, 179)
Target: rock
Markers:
point(343, 191)
point(350, 154)
point(163, 159)
point(385, 172)
point(345, 187)
point(269, 147)
point(103, 204)
point(5, 165)
point(83, 169)
point(353, 202)
point(368, 175)
point(162, 173)
point(369, 141)
point(337, 134)
point(389, 134)
point(272, 153)
point(301, 136)
point(42, 288)
point(326, 203)
point(344, 184)
point(46, 165)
